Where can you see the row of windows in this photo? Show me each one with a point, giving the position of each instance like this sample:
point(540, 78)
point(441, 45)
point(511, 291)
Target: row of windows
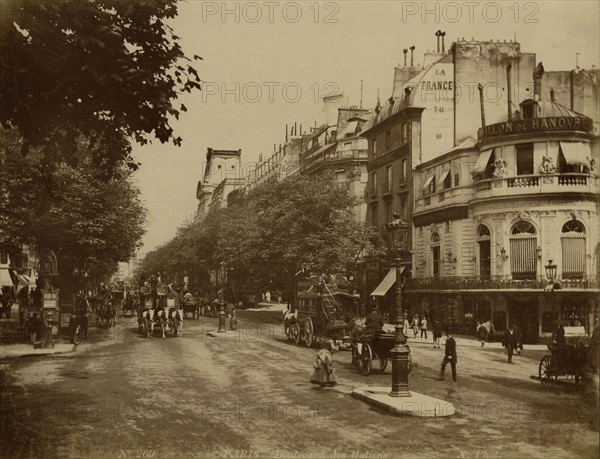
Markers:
point(524, 251)
point(404, 138)
point(389, 175)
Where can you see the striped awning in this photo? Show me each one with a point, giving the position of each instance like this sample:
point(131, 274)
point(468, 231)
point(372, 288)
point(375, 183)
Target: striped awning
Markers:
point(444, 176)
point(575, 153)
point(482, 161)
point(387, 282)
point(428, 182)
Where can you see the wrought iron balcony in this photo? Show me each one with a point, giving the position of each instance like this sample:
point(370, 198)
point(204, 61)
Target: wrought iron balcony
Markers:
point(493, 283)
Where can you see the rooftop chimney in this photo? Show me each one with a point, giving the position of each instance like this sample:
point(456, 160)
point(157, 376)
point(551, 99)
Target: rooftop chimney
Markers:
point(551, 94)
point(405, 51)
point(412, 48)
point(286, 132)
point(481, 103)
point(537, 81)
point(509, 91)
point(437, 35)
point(443, 34)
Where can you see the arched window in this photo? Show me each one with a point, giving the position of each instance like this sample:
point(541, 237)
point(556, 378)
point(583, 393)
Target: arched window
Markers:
point(573, 250)
point(435, 252)
point(523, 251)
point(484, 243)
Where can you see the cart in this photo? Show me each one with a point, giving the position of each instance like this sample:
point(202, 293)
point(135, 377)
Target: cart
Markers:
point(378, 347)
point(191, 306)
point(564, 360)
point(317, 315)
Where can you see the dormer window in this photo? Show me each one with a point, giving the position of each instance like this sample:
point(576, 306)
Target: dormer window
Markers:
point(527, 111)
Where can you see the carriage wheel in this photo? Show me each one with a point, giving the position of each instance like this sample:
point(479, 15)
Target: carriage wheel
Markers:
point(287, 331)
point(367, 360)
point(308, 333)
point(545, 372)
point(296, 333)
point(383, 364)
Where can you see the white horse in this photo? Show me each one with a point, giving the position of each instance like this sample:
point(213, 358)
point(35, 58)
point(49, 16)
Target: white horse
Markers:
point(161, 318)
point(176, 321)
point(484, 331)
point(289, 317)
point(148, 322)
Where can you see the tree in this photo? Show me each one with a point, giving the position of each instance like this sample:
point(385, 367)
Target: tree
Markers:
point(280, 228)
point(88, 220)
point(99, 67)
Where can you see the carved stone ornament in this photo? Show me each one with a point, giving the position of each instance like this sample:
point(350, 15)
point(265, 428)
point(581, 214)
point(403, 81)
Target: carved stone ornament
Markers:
point(522, 215)
point(500, 168)
point(547, 166)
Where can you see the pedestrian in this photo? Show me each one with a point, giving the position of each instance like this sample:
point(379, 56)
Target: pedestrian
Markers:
point(34, 327)
point(323, 374)
point(449, 355)
point(508, 342)
point(423, 327)
point(559, 334)
point(437, 333)
point(518, 336)
point(268, 296)
point(406, 325)
point(415, 326)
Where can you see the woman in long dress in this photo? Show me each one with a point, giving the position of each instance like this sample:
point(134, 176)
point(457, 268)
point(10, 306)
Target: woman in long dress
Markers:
point(323, 374)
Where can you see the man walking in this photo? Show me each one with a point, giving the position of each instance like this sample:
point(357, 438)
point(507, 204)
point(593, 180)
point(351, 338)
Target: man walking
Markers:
point(449, 355)
point(424, 328)
point(508, 342)
point(437, 333)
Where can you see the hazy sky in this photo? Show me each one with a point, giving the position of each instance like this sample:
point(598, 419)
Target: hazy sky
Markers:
point(269, 63)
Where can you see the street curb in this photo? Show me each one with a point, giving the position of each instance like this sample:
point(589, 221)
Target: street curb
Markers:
point(418, 405)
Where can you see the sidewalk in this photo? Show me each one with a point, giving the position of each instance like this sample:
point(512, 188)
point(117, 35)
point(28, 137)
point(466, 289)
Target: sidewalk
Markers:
point(461, 340)
point(8, 351)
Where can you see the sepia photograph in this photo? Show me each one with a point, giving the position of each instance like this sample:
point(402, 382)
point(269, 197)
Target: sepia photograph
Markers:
point(269, 229)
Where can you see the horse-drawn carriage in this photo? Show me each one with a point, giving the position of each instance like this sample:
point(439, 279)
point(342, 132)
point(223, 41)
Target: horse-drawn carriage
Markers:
point(105, 312)
point(190, 305)
point(319, 313)
point(570, 360)
point(162, 313)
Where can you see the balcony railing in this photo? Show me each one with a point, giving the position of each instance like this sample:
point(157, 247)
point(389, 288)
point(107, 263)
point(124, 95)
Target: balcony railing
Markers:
point(334, 156)
point(494, 283)
point(551, 183)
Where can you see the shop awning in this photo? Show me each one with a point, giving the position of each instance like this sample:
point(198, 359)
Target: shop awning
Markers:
point(18, 278)
point(428, 182)
point(575, 153)
point(444, 176)
point(386, 283)
point(482, 161)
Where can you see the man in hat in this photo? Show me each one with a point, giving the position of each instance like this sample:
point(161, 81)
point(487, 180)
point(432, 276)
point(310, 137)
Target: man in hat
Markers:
point(34, 327)
point(449, 355)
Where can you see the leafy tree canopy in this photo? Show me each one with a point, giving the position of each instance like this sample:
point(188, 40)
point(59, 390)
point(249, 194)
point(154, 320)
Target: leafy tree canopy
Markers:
point(100, 67)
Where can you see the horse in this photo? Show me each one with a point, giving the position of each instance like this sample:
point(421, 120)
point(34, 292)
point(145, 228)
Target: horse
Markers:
point(176, 321)
point(484, 331)
point(161, 318)
point(289, 318)
point(147, 321)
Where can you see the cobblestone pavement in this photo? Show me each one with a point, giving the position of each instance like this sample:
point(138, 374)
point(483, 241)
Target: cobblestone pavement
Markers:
point(248, 395)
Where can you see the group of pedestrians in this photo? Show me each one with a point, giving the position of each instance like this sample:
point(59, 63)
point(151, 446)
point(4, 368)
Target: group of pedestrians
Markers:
point(512, 340)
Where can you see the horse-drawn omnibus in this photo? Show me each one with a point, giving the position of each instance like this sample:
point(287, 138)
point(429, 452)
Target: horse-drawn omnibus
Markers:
point(320, 311)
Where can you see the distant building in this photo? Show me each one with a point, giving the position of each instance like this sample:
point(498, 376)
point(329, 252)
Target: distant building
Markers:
point(222, 174)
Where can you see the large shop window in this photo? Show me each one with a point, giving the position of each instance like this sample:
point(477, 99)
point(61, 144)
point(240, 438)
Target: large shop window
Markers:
point(499, 321)
point(523, 251)
point(572, 315)
point(525, 159)
point(573, 250)
point(549, 321)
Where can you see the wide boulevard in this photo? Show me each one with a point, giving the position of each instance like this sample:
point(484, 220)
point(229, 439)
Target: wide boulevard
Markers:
point(248, 395)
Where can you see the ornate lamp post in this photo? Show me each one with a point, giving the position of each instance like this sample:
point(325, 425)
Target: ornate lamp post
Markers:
point(398, 239)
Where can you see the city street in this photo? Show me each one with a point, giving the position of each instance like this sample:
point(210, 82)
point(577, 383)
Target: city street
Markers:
point(249, 395)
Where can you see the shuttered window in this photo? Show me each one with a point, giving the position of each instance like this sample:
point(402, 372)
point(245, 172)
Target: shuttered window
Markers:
point(573, 250)
point(523, 251)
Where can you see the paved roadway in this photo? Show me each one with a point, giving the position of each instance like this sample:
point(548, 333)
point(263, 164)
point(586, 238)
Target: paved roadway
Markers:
point(249, 396)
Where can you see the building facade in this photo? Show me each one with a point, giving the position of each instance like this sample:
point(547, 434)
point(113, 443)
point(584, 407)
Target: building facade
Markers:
point(221, 166)
point(523, 206)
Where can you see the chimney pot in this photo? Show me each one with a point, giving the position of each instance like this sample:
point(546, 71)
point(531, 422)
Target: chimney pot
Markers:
point(552, 94)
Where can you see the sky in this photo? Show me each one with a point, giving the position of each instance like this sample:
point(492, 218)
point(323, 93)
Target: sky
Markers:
point(268, 64)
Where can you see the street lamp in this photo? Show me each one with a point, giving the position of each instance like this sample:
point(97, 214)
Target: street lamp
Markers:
point(398, 238)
